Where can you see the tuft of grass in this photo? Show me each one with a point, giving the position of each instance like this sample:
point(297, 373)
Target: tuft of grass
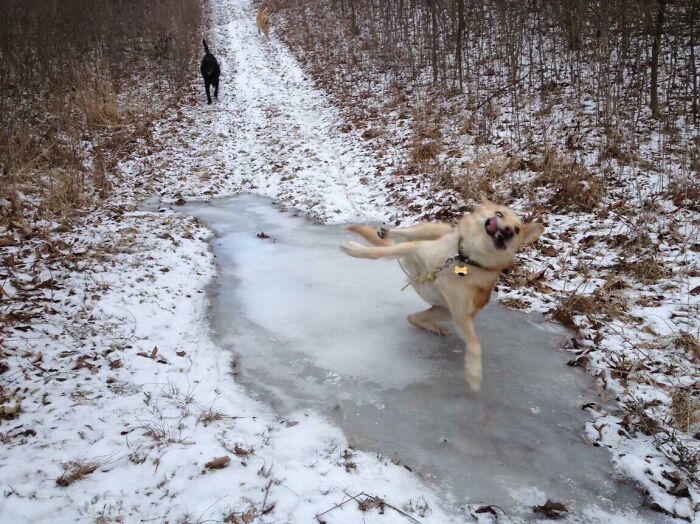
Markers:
point(423, 152)
point(647, 270)
point(76, 470)
point(688, 343)
point(598, 303)
point(684, 192)
point(372, 132)
point(685, 409)
point(210, 415)
point(573, 186)
point(515, 303)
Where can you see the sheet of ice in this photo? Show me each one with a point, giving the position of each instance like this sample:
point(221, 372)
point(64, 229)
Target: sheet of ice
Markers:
point(316, 329)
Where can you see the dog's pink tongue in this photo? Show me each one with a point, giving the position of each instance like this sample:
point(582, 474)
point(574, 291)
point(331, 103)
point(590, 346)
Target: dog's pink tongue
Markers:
point(492, 225)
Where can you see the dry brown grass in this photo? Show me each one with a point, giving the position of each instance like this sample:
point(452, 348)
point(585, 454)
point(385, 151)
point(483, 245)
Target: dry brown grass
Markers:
point(685, 409)
point(423, 153)
point(478, 177)
point(684, 192)
point(426, 143)
point(76, 470)
point(65, 120)
point(573, 186)
point(515, 303)
point(688, 343)
point(211, 415)
point(598, 303)
point(647, 271)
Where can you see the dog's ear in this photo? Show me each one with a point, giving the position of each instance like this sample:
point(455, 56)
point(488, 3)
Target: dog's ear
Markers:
point(531, 232)
point(485, 201)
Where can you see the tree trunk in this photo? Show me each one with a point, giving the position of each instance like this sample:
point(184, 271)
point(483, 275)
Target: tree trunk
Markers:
point(693, 67)
point(458, 40)
point(354, 30)
point(434, 31)
point(656, 44)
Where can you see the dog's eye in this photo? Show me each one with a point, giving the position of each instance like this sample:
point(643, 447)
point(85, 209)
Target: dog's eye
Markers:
point(499, 214)
point(517, 230)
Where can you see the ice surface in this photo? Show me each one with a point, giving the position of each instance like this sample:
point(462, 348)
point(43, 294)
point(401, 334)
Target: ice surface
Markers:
point(316, 329)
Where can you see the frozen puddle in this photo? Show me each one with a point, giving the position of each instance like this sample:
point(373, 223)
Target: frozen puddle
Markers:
point(316, 329)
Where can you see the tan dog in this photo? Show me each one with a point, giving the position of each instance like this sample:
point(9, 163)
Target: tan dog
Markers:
point(263, 21)
point(453, 268)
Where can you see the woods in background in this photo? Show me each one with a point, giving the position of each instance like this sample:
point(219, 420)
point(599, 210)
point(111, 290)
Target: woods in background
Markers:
point(627, 56)
point(79, 78)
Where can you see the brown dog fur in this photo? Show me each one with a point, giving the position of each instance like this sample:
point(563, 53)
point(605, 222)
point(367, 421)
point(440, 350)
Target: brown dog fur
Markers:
point(423, 248)
point(263, 22)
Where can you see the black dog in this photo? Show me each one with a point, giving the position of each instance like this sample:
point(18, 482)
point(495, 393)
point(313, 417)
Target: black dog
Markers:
point(210, 72)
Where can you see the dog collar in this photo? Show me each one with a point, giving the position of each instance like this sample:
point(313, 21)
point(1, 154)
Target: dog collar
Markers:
point(464, 259)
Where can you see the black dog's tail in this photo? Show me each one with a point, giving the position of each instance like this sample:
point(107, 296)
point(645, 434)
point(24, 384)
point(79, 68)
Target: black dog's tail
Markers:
point(206, 49)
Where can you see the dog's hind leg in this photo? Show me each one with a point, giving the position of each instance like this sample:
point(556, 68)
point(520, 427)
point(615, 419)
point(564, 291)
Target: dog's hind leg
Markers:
point(429, 319)
point(216, 88)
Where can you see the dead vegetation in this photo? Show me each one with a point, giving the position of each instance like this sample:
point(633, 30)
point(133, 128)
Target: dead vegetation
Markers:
point(647, 270)
point(590, 305)
point(82, 80)
point(76, 470)
point(684, 192)
point(686, 408)
point(573, 187)
point(688, 343)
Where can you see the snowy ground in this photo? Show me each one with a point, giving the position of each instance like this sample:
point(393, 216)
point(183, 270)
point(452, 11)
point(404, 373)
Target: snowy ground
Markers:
point(116, 398)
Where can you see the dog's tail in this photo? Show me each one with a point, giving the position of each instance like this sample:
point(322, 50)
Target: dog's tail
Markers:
point(371, 235)
point(206, 49)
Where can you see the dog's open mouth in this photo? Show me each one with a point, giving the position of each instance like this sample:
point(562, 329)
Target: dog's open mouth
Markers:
point(499, 235)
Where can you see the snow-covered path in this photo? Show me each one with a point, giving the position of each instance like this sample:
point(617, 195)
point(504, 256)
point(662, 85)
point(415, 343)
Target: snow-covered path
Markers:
point(123, 397)
point(273, 133)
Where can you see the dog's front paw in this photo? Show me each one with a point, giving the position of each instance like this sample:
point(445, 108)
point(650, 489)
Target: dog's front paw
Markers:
point(473, 372)
point(383, 233)
point(354, 249)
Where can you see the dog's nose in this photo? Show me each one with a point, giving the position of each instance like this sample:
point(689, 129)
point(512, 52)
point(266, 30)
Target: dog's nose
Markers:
point(507, 232)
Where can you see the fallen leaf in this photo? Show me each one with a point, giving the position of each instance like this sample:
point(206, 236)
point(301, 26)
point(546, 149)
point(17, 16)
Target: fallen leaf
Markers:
point(486, 509)
point(241, 452)
point(153, 356)
point(7, 241)
point(218, 463)
point(551, 509)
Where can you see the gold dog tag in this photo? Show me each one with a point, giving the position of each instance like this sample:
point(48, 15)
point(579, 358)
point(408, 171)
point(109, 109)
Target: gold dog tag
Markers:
point(461, 270)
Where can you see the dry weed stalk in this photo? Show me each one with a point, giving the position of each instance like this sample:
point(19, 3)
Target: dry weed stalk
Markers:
point(77, 469)
point(574, 186)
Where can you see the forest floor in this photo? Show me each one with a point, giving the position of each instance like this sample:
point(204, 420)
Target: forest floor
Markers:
point(117, 406)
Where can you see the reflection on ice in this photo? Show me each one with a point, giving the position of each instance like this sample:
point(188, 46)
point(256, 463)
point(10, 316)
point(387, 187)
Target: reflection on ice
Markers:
point(317, 329)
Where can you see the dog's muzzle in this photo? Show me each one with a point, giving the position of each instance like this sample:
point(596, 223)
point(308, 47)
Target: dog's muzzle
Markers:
point(500, 235)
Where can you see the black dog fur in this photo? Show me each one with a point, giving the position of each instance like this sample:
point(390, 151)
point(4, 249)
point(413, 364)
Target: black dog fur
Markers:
point(210, 72)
